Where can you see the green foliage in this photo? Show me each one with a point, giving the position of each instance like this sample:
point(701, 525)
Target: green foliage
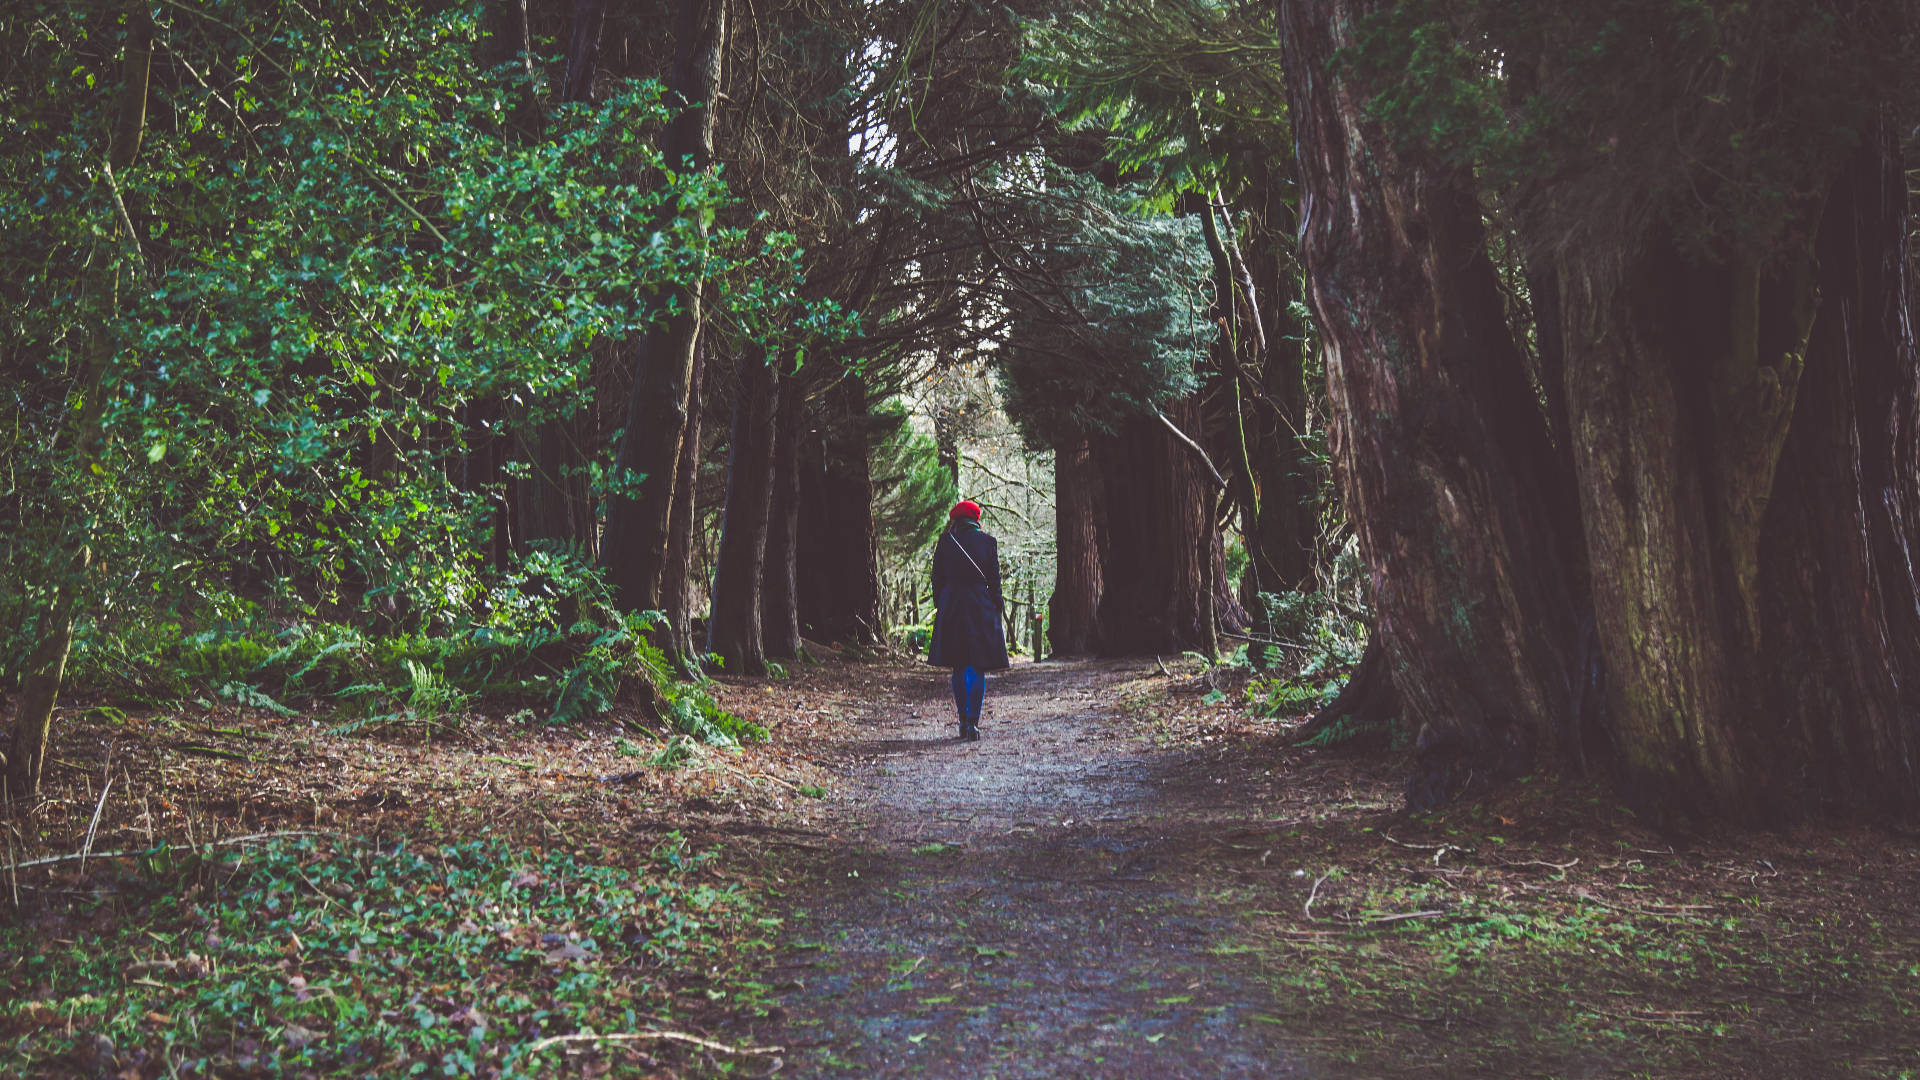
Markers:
point(1189, 91)
point(687, 706)
point(912, 490)
point(327, 284)
point(1125, 322)
point(917, 638)
point(1312, 645)
point(340, 958)
point(548, 632)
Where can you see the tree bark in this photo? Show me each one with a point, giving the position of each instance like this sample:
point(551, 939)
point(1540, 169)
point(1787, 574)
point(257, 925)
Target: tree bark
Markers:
point(1157, 584)
point(677, 572)
point(552, 505)
point(648, 454)
point(780, 610)
point(1228, 616)
point(1842, 606)
point(1748, 477)
point(1285, 526)
point(839, 574)
point(1439, 446)
point(733, 627)
point(1074, 608)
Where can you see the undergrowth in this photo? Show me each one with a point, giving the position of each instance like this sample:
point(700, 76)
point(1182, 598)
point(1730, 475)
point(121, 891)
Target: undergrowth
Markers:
point(324, 957)
point(549, 636)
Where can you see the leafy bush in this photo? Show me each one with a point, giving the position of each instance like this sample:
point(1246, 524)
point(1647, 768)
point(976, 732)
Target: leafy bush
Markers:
point(1314, 643)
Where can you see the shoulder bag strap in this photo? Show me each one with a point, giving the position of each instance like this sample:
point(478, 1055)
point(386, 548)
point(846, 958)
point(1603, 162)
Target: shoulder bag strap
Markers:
point(969, 558)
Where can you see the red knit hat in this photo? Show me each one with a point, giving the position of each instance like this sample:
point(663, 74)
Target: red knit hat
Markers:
point(965, 508)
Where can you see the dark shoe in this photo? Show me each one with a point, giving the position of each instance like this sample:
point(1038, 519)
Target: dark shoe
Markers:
point(969, 733)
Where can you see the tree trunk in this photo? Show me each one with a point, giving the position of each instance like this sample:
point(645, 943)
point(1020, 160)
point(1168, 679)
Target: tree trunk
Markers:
point(1157, 585)
point(780, 610)
point(25, 759)
point(648, 456)
point(46, 667)
point(1280, 542)
point(1439, 445)
point(838, 567)
point(733, 627)
point(1074, 608)
point(1228, 616)
point(1841, 603)
point(677, 573)
point(1747, 470)
point(552, 505)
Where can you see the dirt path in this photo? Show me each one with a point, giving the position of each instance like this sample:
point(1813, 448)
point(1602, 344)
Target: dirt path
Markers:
point(1014, 907)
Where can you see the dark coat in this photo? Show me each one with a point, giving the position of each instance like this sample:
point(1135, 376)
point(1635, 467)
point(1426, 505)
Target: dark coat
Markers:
point(967, 603)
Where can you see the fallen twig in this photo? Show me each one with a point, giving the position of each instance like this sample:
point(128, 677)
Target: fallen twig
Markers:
point(214, 752)
point(1402, 917)
point(1162, 667)
point(1542, 862)
point(1307, 910)
point(249, 838)
point(93, 826)
point(656, 1033)
point(1439, 850)
point(1582, 894)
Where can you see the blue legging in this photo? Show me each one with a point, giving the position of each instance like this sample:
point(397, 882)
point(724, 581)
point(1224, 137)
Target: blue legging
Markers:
point(969, 690)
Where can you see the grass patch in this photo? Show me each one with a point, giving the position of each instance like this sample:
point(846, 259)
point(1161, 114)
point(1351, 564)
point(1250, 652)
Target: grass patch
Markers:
point(334, 957)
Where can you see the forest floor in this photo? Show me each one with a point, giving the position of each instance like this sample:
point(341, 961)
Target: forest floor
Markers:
point(1128, 876)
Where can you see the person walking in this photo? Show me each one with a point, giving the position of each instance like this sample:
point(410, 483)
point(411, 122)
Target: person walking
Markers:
point(967, 609)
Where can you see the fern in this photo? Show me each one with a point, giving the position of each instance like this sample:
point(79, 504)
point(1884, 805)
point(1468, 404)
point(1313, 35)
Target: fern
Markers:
point(252, 697)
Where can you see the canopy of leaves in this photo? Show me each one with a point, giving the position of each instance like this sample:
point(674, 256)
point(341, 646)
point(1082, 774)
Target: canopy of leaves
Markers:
point(1190, 90)
point(1109, 307)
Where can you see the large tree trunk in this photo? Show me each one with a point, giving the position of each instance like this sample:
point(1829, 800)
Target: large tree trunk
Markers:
point(1665, 599)
point(733, 628)
point(1074, 608)
point(648, 455)
point(677, 573)
point(839, 574)
point(1157, 584)
point(1841, 606)
point(1439, 445)
point(1747, 467)
point(551, 505)
point(780, 609)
